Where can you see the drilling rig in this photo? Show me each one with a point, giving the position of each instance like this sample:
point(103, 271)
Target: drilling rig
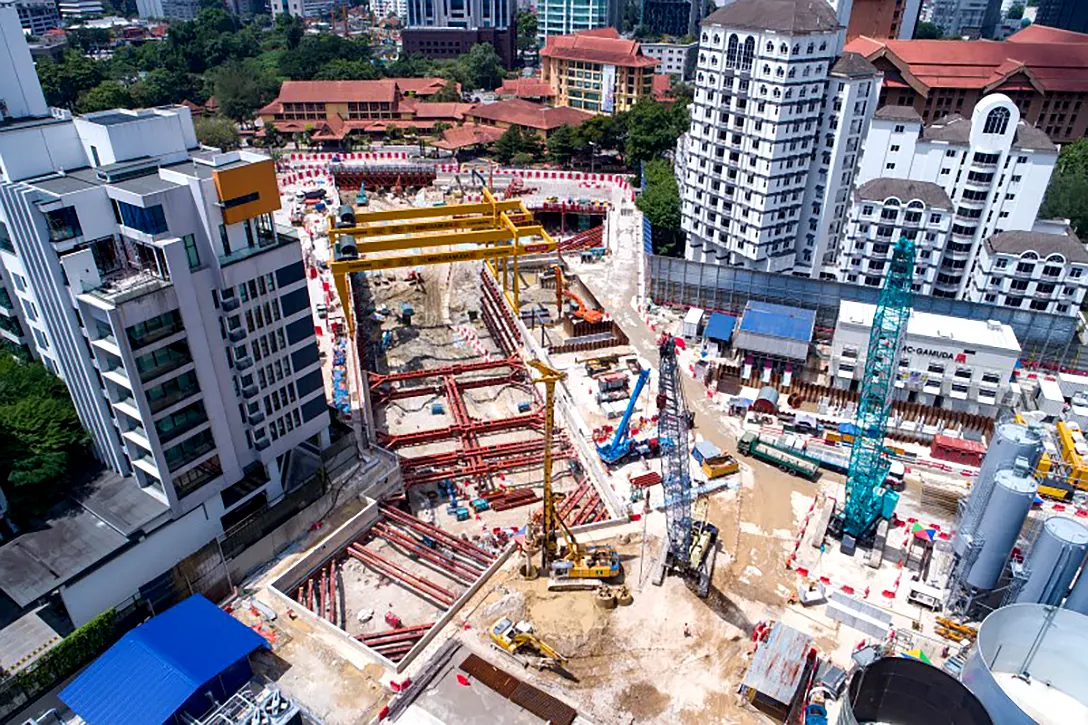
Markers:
point(868, 503)
point(689, 551)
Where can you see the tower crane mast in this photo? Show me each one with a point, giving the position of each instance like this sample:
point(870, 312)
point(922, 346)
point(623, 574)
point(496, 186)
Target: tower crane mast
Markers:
point(867, 500)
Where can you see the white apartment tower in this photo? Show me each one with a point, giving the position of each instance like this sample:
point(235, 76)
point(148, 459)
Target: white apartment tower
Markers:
point(950, 186)
point(148, 274)
point(778, 120)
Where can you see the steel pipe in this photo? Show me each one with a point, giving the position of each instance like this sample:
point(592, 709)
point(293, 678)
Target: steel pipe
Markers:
point(446, 565)
point(438, 535)
point(395, 572)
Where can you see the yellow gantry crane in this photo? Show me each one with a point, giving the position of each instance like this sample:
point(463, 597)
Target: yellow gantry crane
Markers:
point(490, 230)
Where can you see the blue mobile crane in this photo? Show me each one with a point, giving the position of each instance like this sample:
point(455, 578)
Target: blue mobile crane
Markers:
point(621, 444)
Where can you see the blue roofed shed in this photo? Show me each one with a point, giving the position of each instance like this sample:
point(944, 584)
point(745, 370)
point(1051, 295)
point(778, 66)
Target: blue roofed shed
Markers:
point(719, 329)
point(165, 667)
point(775, 330)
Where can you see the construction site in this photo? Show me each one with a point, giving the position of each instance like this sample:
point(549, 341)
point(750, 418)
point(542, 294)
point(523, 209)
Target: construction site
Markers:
point(587, 526)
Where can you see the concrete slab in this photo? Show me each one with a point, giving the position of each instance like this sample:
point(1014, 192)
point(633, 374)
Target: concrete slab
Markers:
point(448, 701)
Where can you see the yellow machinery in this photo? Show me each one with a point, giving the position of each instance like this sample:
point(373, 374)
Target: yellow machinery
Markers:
point(490, 230)
point(519, 641)
point(574, 561)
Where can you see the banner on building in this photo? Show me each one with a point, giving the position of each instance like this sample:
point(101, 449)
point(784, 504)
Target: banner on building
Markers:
point(608, 89)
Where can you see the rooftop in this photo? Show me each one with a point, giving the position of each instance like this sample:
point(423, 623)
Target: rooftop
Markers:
point(156, 668)
point(1018, 242)
point(905, 190)
point(765, 318)
point(795, 17)
point(1046, 59)
point(602, 45)
point(897, 113)
point(525, 88)
point(976, 333)
point(380, 91)
point(470, 134)
point(955, 128)
point(853, 65)
point(779, 663)
point(519, 112)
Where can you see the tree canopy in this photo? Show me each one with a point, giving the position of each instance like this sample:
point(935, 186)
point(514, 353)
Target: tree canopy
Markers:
point(218, 132)
point(660, 202)
point(1067, 195)
point(527, 26)
point(928, 31)
point(43, 447)
point(516, 142)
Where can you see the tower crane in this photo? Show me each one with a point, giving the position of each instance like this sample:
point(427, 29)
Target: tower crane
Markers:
point(868, 502)
point(574, 561)
point(689, 549)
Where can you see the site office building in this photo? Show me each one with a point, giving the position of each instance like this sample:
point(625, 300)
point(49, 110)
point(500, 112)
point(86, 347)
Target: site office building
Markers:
point(147, 273)
point(946, 362)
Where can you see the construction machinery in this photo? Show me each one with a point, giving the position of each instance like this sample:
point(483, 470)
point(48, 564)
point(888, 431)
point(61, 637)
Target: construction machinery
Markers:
point(519, 641)
point(785, 459)
point(586, 564)
point(581, 311)
point(868, 503)
point(621, 444)
point(689, 550)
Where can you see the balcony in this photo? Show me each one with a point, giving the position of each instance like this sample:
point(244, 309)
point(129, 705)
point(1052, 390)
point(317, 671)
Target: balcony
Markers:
point(237, 334)
point(243, 363)
point(230, 304)
point(165, 368)
point(265, 242)
point(256, 418)
point(129, 284)
point(160, 404)
point(249, 392)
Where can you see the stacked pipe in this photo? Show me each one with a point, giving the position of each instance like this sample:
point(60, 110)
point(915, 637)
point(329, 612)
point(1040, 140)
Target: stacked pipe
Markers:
point(491, 290)
point(418, 585)
point(319, 593)
point(514, 499)
point(395, 644)
point(439, 535)
point(410, 546)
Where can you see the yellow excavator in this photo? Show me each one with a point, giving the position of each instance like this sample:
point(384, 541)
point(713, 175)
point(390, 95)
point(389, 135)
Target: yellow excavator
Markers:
point(518, 641)
point(574, 565)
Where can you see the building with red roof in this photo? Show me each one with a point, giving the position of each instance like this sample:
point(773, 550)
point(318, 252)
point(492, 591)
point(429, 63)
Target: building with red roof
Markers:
point(529, 89)
point(334, 109)
point(596, 70)
point(1043, 70)
point(541, 120)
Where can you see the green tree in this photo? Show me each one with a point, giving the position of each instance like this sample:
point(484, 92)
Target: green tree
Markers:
point(928, 31)
point(347, 70)
point(563, 144)
point(448, 94)
point(65, 80)
point(88, 40)
point(482, 68)
point(653, 128)
point(1067, 195)
point(411, 66)
point(43, 447)
point(603, 132)
point(219, 132)
point(104, 96)
point(314, 52)
point(1016, 12)
point(528, 27)
point(516, 140)
point(660, 202)
point(241, 89)
point(162, 86)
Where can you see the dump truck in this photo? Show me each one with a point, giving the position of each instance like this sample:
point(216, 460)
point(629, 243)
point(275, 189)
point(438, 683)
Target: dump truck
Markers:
point(789, 461)
point(721, 465)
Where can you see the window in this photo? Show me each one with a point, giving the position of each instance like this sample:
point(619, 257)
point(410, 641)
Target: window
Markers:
point(149, 220)
point(63, 224)
point(895, 147)
point(224, 240)
point(748, 54)
point(731, 52)
point(191, 252)
point(997, 121)
point(900, 128)
point(889, 166)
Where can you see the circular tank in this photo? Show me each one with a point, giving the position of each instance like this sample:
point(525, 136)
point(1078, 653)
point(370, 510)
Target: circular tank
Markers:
point(1027, 666)
point(1010, 441)
point(1053, 562)
point(1013, 494)
point(901, 691)
point(1078, 598)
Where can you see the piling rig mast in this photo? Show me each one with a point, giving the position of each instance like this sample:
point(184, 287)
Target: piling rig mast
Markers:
point(867, 500)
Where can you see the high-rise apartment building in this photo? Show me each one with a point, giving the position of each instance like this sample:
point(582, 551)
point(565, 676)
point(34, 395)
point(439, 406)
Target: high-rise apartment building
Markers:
point(450, 29)
point(673, 59)
point(675, 18)
point(884, 19)
point(148, 273)
point(38, 16)
point(303, 8)
point(777, 124)
point(1064, 14)
point(168, 9)
point(966, 18)
point(77, 9)
point(565, 17)
point(954, 187)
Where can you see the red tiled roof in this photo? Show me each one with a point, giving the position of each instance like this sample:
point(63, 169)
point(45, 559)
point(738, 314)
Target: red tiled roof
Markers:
point(982, 64)
point(436, 111)
point(602, 45)
point(525, 88)
point(423, 86)
point(468, 135)
point(1043, 34)
point(517, 112)
point(383, 91)
point(663, 87)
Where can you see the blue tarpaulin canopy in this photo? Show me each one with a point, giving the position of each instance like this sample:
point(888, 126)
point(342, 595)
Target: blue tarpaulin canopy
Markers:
point(720, 327)
point(155, 669)
point(792, 323)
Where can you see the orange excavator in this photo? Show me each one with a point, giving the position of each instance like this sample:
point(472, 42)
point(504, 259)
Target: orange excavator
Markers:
point(581, 312)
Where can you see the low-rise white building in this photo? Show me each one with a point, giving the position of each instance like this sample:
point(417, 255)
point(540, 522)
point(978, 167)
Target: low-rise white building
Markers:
point(1040, 272)
point(675, 59)
point(946, 362)
point(75, 9)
